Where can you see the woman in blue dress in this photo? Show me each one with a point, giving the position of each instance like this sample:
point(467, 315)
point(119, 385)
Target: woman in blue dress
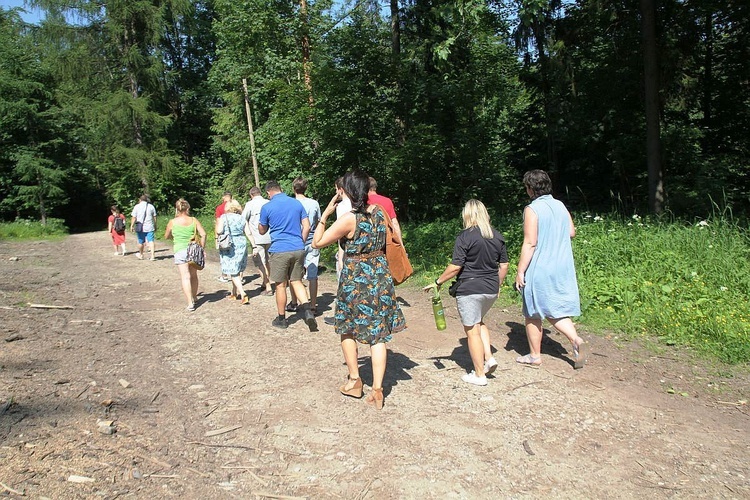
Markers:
point(546, 273)
point(366, 307)
point(234, 259)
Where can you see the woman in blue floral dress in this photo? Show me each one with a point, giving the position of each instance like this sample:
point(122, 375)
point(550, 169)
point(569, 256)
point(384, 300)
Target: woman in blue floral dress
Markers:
point(234, 259)
point(366, 307)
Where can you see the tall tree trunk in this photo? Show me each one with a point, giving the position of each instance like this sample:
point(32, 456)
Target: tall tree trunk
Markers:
point(653, 133)
point(539, 38)
point(306, 51)
point(130, 34)
point(395, 30)
point(708, 76)
point(42, 207)
point(396, 69)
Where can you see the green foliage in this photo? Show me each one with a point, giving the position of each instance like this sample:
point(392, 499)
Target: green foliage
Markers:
point(24, 229)
point(146, 96)
point(669, 281)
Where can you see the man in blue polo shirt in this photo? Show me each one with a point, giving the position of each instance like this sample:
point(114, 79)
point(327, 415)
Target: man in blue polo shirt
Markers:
point(286, 219)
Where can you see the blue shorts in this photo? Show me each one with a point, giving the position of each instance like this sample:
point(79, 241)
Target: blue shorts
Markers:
point(143, 236)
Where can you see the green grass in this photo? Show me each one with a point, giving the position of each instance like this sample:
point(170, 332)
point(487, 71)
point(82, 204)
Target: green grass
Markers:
point(23, 229)
point(676, 283)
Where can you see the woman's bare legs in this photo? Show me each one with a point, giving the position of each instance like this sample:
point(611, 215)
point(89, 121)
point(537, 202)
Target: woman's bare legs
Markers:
point(186, 279)
point(484, 332)
point(193, 281)
point(237, 286)
point(567, 328)
point(534, 336)
point(379, 358)
point(351, 357)
point(476, 347)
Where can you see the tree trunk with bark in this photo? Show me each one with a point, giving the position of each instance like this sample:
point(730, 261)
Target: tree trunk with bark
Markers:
point(653, 129)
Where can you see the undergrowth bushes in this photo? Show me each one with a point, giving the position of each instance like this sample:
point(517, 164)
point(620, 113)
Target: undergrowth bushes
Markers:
point(32, 229)
point(683, 284)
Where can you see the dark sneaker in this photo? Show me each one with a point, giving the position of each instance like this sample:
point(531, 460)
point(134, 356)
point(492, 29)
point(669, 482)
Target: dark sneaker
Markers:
point(280, 323)
point(291, 307)
point(329, 320)
point(310, 320)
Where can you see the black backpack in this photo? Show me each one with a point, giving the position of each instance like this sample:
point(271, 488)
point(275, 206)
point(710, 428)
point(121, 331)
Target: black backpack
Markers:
point(119, 224)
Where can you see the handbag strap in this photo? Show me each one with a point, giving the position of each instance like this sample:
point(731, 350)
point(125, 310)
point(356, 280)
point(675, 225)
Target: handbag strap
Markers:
point(195, 229)
point(145, 211)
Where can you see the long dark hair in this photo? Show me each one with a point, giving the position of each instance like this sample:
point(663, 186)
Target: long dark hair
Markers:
point(356, 186)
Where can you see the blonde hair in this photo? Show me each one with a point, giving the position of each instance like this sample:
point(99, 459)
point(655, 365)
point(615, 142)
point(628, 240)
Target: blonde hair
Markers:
point(475, 215)
point(233, 206)
point(182, 206)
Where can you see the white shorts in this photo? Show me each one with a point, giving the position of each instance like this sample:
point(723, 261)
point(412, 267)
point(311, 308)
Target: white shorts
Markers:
point(312, 260)
point(180, 257)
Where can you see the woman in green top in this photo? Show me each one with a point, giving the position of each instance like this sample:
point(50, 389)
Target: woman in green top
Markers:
point(181, 229)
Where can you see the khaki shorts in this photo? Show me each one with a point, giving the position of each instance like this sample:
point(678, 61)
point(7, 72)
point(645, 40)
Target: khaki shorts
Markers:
point(261, 258)
point(286, 266)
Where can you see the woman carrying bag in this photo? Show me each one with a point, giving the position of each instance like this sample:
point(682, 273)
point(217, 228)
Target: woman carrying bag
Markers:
point(183, 229)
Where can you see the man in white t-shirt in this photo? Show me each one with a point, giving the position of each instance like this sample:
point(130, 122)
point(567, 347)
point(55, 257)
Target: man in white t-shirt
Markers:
point(260, 242)
point(143, 224)
point(312, 255)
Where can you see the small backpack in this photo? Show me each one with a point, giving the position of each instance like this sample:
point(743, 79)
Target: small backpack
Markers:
point(118, 224)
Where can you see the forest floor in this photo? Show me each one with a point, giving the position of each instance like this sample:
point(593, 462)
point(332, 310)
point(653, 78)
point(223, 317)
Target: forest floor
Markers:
point(217, 404)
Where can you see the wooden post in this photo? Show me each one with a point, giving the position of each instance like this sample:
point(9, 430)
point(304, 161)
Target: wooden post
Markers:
point(250, 131)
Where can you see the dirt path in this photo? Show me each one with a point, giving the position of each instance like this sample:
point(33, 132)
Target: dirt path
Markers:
point(281, 429)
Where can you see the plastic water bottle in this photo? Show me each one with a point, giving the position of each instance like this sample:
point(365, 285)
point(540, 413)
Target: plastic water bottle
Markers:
point(437, 310)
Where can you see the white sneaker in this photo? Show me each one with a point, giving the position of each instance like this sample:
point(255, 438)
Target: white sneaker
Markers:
point(471, 378)
point(490, 365)
point(117, 253)
point(138, 256)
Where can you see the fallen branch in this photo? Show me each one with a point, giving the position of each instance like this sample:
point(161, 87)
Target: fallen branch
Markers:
point(257, 478)
point(240, 446)
point(46, 306)
point(223, 430)
point(202, 474)
point(11, 490)
point(524, 385)
point(273, 495)
point(156, 461)
point(558, 375)
point(163, 476)
point(365, 490)
point(211, 411)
